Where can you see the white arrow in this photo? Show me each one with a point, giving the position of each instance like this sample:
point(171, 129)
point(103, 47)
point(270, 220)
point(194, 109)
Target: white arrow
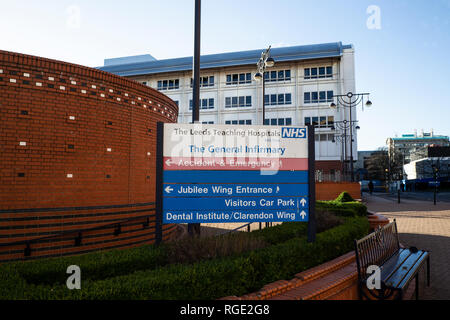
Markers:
point(168, 162)
point(168, 189)
point(303, 202)
point(303, 215)
point(278, 189)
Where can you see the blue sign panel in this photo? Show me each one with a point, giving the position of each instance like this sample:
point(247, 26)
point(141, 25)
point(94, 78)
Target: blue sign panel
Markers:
point(219, 190)
point(244, 216)
point(236, 203)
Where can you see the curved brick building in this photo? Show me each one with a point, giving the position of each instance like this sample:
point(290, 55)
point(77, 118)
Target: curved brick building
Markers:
point(77, 158)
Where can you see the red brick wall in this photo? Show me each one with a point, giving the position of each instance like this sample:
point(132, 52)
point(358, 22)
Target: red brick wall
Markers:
point(59, 119)
point(331, 190)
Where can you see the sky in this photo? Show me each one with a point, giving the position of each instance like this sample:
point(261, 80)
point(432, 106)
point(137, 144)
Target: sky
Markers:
point(401, 46)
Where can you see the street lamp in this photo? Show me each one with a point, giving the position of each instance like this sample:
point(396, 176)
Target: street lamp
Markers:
point(266, 61)
point(344, 126)
point(349, 101)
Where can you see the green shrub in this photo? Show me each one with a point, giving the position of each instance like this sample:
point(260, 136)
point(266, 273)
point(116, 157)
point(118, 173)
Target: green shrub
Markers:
point(344, 197)
point(209, 279)
point(345, 209)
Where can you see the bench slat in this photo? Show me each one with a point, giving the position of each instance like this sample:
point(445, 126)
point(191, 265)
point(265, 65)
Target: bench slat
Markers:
point(390, 266)
point(414, 269)
point(405, 268)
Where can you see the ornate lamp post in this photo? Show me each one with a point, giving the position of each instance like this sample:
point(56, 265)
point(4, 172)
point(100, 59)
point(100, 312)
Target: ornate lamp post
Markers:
point(344, 126)
point(266, 61)
point(350, 100)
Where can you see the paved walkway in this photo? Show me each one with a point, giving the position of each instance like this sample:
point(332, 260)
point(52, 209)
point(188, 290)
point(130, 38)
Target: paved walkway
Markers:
point(425, 226)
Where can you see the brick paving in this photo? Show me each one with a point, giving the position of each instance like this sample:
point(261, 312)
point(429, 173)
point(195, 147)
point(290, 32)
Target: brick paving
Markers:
point(425, 226)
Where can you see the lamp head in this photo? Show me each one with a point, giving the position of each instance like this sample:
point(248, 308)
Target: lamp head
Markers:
point(368, 103)
point(333, 105)
point(270, 62)
point(258, 76)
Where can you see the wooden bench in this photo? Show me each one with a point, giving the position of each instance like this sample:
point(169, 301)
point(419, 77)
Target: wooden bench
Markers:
point(398, 266)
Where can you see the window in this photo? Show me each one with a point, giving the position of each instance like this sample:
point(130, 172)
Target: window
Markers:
point(318, 97)
point(307, 97)
point(168, 84)
point(241, 122)
point(278, 122)
point(320, 122)
point(278, 99)
point(208, 122)
point(204, 104)
point(318, 72)
point(281, 75)
point(234, 102)
point(330, 96)
point(205, 82)
point(239, 78)
point(322, 96)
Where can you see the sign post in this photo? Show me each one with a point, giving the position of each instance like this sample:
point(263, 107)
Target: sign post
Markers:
point(237, 174)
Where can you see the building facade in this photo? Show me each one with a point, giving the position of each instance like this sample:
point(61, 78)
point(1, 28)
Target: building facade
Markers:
point(77, 159)
point(409, 144)
point(298, 90)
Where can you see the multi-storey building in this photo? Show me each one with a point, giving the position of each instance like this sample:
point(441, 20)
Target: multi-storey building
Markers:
point(409, 144)
point(298, 90)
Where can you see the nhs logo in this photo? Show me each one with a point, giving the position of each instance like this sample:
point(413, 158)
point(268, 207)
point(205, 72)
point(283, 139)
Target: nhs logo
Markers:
point(296, 133)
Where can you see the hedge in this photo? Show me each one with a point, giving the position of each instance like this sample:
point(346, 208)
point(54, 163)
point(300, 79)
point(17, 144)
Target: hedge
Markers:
point(209, 279)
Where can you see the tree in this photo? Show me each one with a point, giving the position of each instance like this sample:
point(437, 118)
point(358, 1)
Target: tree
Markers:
point(380, 166)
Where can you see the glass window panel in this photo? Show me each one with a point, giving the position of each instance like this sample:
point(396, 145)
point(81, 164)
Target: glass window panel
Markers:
point(273, 76)
point(330, 122)
point(288, 121)
point(313, 73)
point(211, 81)
point(248, 101)
point(235, 78)
point(266, 99)
point(165, 84)
point(330, 95)
point(315, 121)
point(266, 122)
point(266, 76)
point(281, 122)
point(307, 121)
point(242, 78)
point(307, 97)
point(248, 77)
point(159, 85)
point(317, 137)
point(241, 101)
point(307, 73)
point(273, 99)
point(281, 99)
point(248, 122)
point(204, 103)
point(281, 75)
point(228, 78)
point(314, 96)
point(234, 102)
point(171, 84)
point(177, 83)
point(234, 122)
point(322, 72)
point(273, 122)
point(323, 122)
point(211, 103)
point(287, 75)
point(288, 99)
point(228, 122)
point(190, 104)
point(227, 102)
point(329, 72)
point(241, 121)
point(322, 96)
